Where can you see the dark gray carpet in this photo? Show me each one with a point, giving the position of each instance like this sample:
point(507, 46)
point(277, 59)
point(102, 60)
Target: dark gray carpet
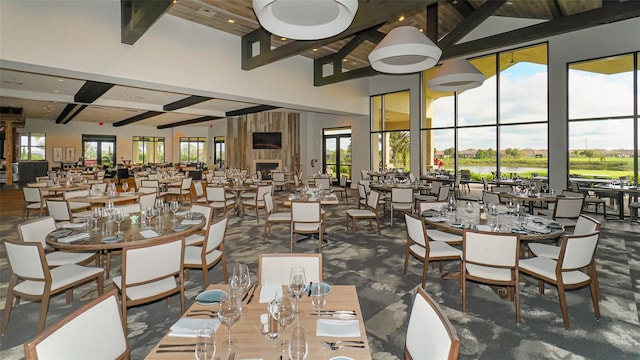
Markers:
point(374, 265)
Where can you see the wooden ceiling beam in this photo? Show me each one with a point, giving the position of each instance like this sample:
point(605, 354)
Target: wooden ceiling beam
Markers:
point(186, 102)
point(471, 22)
point(555, 10)
point(251, 110)
point(370, 14)
point(605, 15)
point(189, 122)
point(140, 117)
point(463, 7)
point(137, 16)
point(91, 91)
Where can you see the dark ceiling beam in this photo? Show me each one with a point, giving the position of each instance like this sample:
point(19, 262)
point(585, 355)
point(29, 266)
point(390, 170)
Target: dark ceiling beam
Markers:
point(137, 16)
point(69, 112)
point(91, 91)
point(189, 122)
point(432, 23)
point(370, 14)
point(463, 7)
point(251, 110)
point(605, 15)
point(471, 22)
point(554, 9)
point(140, 117)
point(186, 102)
point(349, 75)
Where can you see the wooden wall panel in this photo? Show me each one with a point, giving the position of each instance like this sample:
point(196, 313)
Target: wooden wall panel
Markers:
point(240, 153)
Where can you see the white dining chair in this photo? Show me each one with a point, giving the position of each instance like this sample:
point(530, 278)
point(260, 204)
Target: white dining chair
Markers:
point(279, 180)
point(32, 278)
point(401, 200)
point(258, 202)
point(272, 216)
point(491, 258)
point(370, 211)
point(201, 197)
point(198, 237)
point(77, 207)
point(94, 331)
point(210, 252)
point(427, 317)
point(306, 218)
point(59, 210)
point(275, 267)
point(32, 201)
point(147, 200)
point(218, 201)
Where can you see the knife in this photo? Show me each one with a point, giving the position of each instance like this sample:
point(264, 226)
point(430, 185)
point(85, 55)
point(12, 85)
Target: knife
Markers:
point(252, 293)
point(248, 291)
point(174, 350)
point(174, 345)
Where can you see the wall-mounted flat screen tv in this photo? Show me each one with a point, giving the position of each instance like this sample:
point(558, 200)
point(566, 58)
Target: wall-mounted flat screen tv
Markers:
point(267, 140)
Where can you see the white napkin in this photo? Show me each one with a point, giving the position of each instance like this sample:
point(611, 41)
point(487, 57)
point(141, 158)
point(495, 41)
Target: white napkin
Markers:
point(190, 222)
point(187, 327)
point(537, 228)
point(268, 291)
point(338, 328)
point(437, 219)
point(483, 228)
point(182, 213)
point(73, 225)
point(72, 238)
point(147, 234)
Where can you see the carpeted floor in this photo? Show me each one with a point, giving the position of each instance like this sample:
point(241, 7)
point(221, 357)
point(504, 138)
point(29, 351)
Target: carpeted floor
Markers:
point(374, 265)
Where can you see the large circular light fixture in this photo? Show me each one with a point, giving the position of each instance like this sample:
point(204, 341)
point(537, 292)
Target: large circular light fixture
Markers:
point(305, 19)
point(404, 50)
point(456, 75)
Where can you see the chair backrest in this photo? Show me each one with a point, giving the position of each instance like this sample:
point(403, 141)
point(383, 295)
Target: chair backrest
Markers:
point(577, 251)
point(95, 329)
point(343, 181)
point(31, 194)
point(367, 185)
point(59, 209)
point(277, 176)
point(364, 174)
point(268, 203)
point(586, 225)
point(147, 200)
point(323, 183)
point(494, 249)
point(373, 200)
point(305, 212)
point(74, 194)
point(262, 190)
point(489, 197)
point(435, 187)
point(101, 187)
point(27, 261)
point(186, 184)
point(362, 192)
point(128, 209)
point(402, 195)
point(275, 268)
point(485, 184)
point(36, 230)
point(153, 177)
point(416, 230)
point(575, 187)
point(216, 194)
point(157, 261)
point(412, 177)
point(568, 207)
point(443, 193)
point(428, 318)
point(147, 190)
point(138, 182)
point(150, 183)
point(206, 211)
point(570, 193)
point(215, 235)
point(197, 187)
point(430, 205)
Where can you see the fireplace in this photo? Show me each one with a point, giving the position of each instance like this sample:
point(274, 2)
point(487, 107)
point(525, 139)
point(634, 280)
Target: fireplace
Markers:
point(265, 166)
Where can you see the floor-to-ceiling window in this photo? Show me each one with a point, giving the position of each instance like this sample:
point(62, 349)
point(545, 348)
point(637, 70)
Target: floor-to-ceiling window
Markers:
point(193, 149)
point(337, 152)
point(219, 150)
point(148, 149)
point(603, 117)
point(99, 150)
point(496, 129)
point(390, 136)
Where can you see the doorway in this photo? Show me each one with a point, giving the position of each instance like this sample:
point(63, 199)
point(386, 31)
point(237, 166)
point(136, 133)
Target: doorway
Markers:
point(98, 150)
point(337, 152)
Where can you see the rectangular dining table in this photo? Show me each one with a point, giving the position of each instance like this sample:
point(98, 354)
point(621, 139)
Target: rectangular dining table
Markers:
point(251, 343)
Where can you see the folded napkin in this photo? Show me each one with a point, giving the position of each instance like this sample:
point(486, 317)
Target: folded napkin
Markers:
point(484, 228)
point(190, 222)
point(147, 234)
point(73, 238)
point(187, 327)
point(182, 213)
point(537, 228)
point(268, 291)
point(438, 219)
point(73, 225)
point(338, 328)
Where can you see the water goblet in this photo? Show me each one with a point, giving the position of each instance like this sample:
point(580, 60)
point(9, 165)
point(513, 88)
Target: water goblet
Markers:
point(148, 214)
point(108, 209)
point(298, 347)
point(297, 281)
point(125, 186)
point(159, 205)
point(282, 311)
point(96, 214)
point(241, 278)
point(318, 291)
point(493, 214)
point(174, 207)
point(205, 343)
point(229, 312)
point(118, 218)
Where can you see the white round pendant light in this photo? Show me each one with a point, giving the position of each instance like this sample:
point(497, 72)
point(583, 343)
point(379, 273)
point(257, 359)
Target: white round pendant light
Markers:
point(404, 50)
point(305, 19)
point(456, 75)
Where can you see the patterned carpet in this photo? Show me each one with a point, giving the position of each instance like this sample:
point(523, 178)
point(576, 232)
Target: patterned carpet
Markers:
point(374, 265)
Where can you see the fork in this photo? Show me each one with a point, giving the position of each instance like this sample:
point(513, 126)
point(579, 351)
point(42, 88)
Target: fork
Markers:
point(344, 343)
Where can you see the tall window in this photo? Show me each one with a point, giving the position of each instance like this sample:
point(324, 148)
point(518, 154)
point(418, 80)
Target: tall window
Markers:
point(219, 150)
point(602, 120)
point(193, 149)
point(497, 129)
point(337, 150)
point(32, 146)
point(98, 150)
point(148, 149)
point(390, 140)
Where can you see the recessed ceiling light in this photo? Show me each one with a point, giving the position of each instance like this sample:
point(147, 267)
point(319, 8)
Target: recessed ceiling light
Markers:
point(316, 49)
point(231, 21)
point(283, 38)
point(401, 18)
point(60, 80)
point(56, 91)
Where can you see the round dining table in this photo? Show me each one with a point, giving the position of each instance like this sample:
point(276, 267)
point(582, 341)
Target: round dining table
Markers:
point(133, 233)
point(542, 197)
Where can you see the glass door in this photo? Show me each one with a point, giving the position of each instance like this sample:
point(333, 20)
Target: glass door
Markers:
point(98, 150)
point(337, 150)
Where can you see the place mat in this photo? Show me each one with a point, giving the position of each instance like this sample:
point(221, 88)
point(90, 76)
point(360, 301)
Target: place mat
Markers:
point(188, 327)
point(147, 234)
point(73, 238)
point(338, 328)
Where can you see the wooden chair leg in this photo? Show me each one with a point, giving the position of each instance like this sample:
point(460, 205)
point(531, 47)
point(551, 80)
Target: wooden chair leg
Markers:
point(563, 306)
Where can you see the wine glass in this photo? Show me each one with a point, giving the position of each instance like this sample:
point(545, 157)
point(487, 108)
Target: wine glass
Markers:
point(468, 208)
point(118, 218)
point(297, 281)
point(159, 205)
point(96, 214)
point(281, 310)
point(318, 291)
point(510, 206)
point(298, 344)
point(108, 209)
point(125, 186)
point(174, 207)
point(205, 343)
point(240, 278)
point(229, 312)
point(493, 213)
point(148, 214)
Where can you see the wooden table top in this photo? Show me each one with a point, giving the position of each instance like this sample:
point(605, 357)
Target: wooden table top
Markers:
point(130, 234)
point(525, 197)
point(103, 199)
point(250, 343)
